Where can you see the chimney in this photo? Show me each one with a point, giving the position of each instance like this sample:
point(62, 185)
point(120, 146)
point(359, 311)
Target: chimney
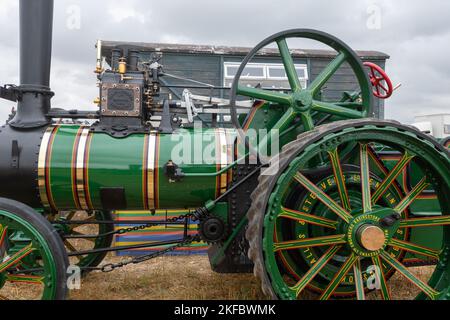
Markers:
point(36, 22)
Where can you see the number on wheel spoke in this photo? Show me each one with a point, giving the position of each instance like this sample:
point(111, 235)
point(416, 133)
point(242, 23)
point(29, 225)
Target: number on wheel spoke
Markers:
point(326, 200)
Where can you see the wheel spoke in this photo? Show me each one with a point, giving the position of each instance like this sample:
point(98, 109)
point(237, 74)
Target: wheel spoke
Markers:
point(309, 218)
point(359, 281)
point(348, 264)
point(289, 65)
point(336, 109)
point(390, 178)
point(309, 242)
point(326, 200)
point(25, 279)
point(326, 73)
point(412, 195)
point(430, 292)
point(411, 247)
point(339, 179)
point(266, 95)
point(365, 178)
point(17, 257)
point(307, 121)
point(314, 270)
point(384, 290)
point(425, 222)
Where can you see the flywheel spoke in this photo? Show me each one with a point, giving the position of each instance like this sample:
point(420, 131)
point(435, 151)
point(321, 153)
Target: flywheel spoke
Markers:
point(430, 292)
point(384, 290)
point(25, 279)
point(335, 109)
point(309, 218)
point(16, 258)
point(326, 73)
point(411, 247)
point(339, 179)
point(425, 222)
point(390, 178)
point(326, 200)
point(266, 95)
point(310, 242)
point(412, 195)
point(348, 264)
point(365, 178)
point(314, 270)
point(289, 65)
point(359, 281)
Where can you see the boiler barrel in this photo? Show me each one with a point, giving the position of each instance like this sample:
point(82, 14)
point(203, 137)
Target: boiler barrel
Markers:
point(82, 169)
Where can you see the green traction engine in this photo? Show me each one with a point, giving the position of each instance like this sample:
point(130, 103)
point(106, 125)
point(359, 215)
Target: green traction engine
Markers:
point(313, 195)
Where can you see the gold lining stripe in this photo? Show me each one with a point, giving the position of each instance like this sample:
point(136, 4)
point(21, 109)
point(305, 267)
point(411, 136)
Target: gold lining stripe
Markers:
point(151, 160)
point(74, 168)
point(42, 166)
point(80, 169)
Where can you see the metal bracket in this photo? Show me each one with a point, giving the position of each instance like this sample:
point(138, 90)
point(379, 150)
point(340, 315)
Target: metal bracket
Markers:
point(172, 171)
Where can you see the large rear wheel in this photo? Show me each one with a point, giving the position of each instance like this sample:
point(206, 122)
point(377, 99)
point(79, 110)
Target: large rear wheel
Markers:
point(33, 262)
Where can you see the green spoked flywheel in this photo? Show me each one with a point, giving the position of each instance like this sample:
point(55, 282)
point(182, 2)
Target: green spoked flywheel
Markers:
point(344, 230)
point(33, 262)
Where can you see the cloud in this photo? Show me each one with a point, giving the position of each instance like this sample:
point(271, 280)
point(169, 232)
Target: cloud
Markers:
point(415, 34)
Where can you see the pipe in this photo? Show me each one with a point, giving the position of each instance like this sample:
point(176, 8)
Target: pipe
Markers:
point(36, 22)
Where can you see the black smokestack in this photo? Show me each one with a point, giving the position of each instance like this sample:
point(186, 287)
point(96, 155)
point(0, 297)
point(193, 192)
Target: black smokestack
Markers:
point(36, 22)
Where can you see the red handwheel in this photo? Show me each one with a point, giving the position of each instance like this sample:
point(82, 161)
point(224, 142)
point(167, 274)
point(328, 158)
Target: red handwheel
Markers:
point(382, 85)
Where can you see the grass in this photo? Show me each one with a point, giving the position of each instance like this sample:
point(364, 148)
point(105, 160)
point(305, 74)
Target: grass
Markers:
point(169, 277)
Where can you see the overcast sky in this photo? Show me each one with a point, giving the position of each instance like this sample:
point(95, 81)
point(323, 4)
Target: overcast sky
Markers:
point(416, 34)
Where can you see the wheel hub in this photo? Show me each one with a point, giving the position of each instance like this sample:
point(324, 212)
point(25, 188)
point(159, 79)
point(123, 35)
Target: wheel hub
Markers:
point(371, 237)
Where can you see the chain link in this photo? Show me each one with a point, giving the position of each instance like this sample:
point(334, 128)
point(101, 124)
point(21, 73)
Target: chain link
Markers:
point(188, 240)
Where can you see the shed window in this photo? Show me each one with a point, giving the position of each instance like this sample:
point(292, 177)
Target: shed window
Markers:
point(251, 71)
point(266, 74)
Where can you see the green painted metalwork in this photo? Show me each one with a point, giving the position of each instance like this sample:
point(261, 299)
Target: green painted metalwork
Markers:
point(44, 281)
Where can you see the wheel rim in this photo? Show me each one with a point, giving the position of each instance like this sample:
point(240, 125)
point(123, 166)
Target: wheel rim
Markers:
point(359, 232)
point(21, 245)
point(85, 236)
point(303, 102)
